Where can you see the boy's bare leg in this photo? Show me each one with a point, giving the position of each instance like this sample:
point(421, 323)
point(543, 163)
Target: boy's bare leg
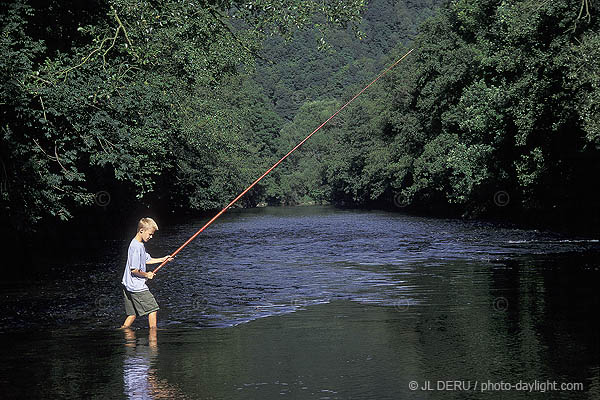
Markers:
point(129, 337)
point(152, 320)
point(128, 321)
point(152, 339)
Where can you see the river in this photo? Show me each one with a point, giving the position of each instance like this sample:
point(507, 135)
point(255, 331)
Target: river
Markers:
point(316, 303)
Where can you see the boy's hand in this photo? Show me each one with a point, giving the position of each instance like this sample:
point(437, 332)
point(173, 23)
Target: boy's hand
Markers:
point(166, 258)
point(149, 275)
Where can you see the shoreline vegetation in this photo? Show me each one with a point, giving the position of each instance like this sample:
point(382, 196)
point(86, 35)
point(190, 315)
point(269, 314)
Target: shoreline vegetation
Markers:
point(112, 110)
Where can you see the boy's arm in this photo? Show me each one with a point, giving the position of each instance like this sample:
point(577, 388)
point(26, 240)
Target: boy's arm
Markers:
point(158, 260)
point(142, 274)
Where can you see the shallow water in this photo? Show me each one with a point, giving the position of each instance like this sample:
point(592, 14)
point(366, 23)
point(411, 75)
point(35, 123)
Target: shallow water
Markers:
point(313, 302)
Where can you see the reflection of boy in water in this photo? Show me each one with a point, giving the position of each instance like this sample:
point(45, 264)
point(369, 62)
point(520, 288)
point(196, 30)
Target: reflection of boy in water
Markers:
point(136, 366)
point(139, 370)
point(138, 299)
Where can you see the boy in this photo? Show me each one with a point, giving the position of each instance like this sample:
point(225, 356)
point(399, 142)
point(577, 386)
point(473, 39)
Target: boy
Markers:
point(138, 299)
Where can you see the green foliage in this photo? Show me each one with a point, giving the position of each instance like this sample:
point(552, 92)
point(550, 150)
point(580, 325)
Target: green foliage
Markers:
point(351, 164)
point(500, 96)
point(300, 179)
point(583, 78)
point(297, 70)
point(149, 101)
point(163, 102)
point(497, 97)
point(448, 170)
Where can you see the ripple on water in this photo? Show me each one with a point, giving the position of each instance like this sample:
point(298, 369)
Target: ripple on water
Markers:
point(256, 263)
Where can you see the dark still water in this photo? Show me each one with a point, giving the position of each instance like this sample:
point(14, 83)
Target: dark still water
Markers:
point(316, 303)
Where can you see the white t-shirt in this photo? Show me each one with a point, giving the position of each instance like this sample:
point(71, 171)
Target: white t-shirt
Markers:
point(136, 259)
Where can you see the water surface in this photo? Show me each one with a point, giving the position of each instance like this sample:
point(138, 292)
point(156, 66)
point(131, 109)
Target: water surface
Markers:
point(313, 302)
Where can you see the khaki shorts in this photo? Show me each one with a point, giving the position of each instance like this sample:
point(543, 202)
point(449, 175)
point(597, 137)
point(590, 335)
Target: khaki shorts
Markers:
point(139, 303)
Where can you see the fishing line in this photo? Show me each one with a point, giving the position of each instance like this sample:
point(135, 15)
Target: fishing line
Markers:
point(281, 160)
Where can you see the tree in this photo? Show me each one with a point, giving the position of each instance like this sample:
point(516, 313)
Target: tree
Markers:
point(134, 99)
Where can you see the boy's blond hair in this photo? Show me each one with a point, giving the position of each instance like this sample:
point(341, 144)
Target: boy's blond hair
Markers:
point(147, 223)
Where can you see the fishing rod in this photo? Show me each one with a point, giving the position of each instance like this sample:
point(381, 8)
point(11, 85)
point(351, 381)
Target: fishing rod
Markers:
point(279, 162)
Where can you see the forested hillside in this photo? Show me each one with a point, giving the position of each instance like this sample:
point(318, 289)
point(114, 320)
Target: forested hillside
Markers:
point(112, 105)
point(494, 114)
point(307, 69)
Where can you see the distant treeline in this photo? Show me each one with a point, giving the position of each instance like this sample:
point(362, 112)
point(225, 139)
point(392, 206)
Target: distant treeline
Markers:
point(496, 113)
point(111, 104)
